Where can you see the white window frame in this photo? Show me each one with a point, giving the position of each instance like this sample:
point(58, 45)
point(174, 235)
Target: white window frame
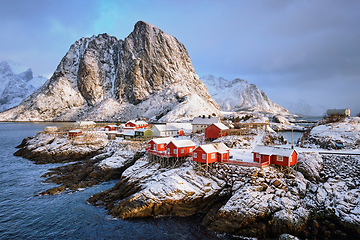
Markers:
point(195, 155)
point(182, 151)
point(168, 150)
point(280, 158)
point(175, 151)
point(204, 156)
point(213, 156)
point(149, 145)
point(257, 155)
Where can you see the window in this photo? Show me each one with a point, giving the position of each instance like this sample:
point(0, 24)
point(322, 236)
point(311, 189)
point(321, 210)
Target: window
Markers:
point(213, 156)
point(149, 145)
point(182, 150)
point(280, 158)
point(168, 150)
point(256, 155)
point(204, 156)
point(195, 155)
point(175, 151)
point(191, 149)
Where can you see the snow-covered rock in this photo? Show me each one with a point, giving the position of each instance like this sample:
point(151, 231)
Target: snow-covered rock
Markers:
point(146, 190)
point(238, 94)
point(16, 83)
point(147, 75)
point(345, 131)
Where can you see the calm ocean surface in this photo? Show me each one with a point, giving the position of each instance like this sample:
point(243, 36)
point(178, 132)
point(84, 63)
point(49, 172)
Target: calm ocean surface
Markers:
point(68, 216)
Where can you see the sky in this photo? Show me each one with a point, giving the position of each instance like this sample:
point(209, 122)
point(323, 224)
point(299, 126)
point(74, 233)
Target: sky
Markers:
point(304, 54)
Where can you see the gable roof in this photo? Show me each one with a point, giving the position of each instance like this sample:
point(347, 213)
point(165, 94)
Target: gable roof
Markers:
point(162, 140)
point(165, 128)
point(221, 126)
point(129, 133)
point(215, 147)
point(142, 130)
point(205, 121)
point(183, 143)
point(265, 150)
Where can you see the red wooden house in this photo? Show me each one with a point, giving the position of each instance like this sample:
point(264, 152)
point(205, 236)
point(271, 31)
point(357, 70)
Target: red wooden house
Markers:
point(275, 155)
point(180, 148)
point(157, 146)
point(111, 128)
point(216, 130)
point(74, 133)
point(133, 125)
point(216, 152)
point(181, 132)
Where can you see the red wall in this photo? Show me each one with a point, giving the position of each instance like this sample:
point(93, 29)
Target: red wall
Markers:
point(130, 124)
point(157, 147)
point(171, 146)
point(199, 158)
point(214, 132)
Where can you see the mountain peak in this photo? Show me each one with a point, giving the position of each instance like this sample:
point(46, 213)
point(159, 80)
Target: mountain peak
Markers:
point(147, 75)
point(238, 94)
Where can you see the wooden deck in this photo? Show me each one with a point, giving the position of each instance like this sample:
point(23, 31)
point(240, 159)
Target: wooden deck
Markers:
point(249, 164)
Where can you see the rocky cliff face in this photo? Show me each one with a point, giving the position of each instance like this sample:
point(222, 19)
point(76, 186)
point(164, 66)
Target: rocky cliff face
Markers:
point(239, 95)
point(149, 74)
point(16, 83)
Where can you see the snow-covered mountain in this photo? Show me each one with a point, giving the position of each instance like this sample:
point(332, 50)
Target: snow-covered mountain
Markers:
point(147, 75)
point(16, 83)
point(238, 94)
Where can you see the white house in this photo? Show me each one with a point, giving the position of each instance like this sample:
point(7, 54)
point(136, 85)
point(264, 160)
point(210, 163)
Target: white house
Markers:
point(200, 123)
point(163, 130)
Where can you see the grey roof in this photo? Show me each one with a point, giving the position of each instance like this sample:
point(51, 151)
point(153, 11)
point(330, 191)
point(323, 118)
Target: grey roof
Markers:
point(205, 121)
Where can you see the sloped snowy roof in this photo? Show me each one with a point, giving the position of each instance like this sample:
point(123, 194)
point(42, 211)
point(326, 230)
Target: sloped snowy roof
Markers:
point(221, 147)
point(183, 143)
point(264, 150)
point(205, 121)
point(129, 133)
point(162, 140)
point(221, 126)
point(142, 130)
point(165, 128)
point(215, 147)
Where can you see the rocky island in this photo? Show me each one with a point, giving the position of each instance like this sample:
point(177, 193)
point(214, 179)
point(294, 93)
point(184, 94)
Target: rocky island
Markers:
point(319, 197)
point(150, 75)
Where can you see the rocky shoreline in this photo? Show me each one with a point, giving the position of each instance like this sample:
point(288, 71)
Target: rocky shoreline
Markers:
point(320, 199)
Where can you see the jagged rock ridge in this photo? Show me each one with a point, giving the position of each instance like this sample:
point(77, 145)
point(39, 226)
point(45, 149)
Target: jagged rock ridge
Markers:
point(238, 95)
point(149, 74)
point(16, 83)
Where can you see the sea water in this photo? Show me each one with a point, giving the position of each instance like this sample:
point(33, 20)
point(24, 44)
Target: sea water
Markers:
point(24, 215)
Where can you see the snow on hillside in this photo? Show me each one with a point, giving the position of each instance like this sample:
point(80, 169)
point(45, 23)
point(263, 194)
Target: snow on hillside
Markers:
point(16, 83)
point(346, 131)
point(148, 75)
point(239, 95)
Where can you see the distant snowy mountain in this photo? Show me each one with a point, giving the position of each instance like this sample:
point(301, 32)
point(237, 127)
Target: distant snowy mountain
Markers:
point(16, 83)
point(147, 75)
point(231, 96)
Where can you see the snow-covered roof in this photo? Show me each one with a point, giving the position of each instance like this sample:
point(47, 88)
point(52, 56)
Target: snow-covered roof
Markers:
point(75, 131)
point(129, 133)
point(112, 126)
point(265, 150)
point(221, 147)
point(185, 126)
point(221, 126)
point(183, 143)
point(162, 140)
point(215, 147)
point(165, 128)
point(142, 130)
point(205, 121)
